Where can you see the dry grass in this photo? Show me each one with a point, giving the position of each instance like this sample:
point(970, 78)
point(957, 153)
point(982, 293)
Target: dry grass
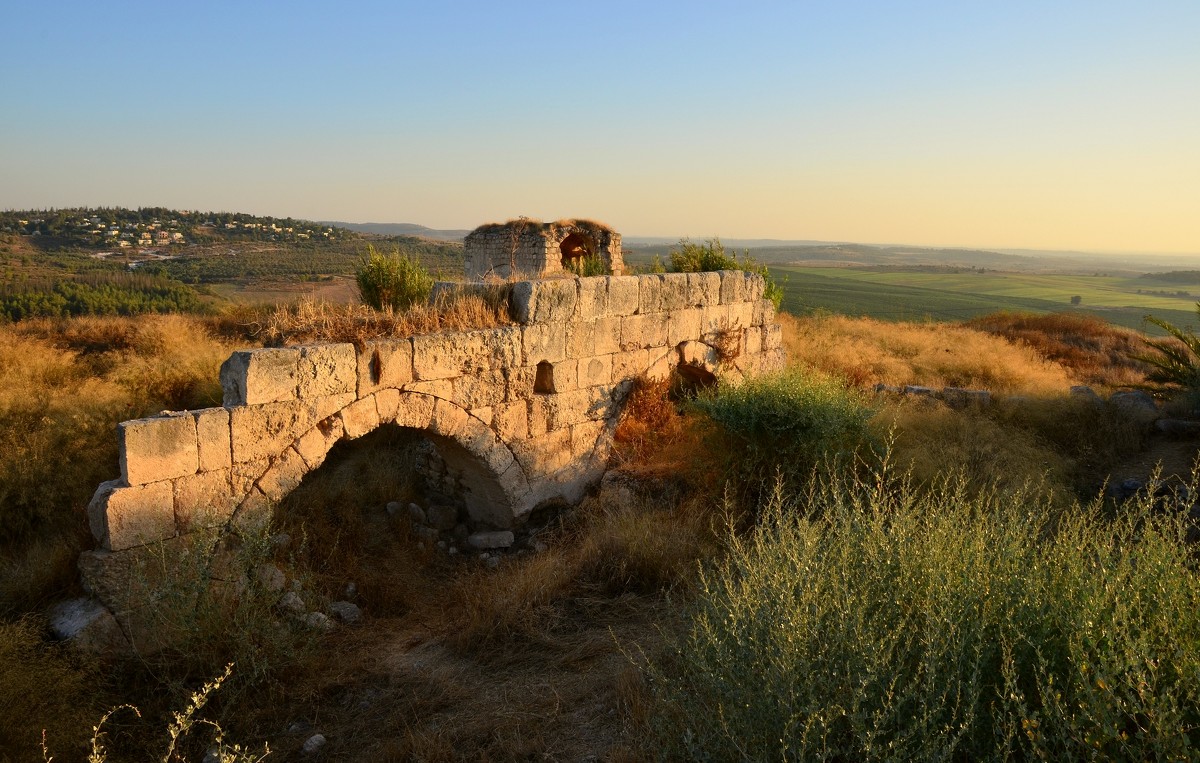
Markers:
point(866, 352)
point(310, 321)
point(1096, 352)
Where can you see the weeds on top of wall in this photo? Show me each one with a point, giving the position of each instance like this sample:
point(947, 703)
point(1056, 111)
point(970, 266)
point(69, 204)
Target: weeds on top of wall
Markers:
point(691, 257)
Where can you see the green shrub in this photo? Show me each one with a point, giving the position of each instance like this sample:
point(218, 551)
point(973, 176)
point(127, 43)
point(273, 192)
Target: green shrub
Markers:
point(786, 423)
point(886, 624)
point(394, 281)
point(591, 265)
point(1176, 360)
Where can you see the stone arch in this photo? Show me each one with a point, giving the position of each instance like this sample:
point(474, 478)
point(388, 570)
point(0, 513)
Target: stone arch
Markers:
point(495, 485)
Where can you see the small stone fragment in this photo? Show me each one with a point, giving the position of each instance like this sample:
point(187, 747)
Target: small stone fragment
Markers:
point(442, 517)
point(416, 514)
point(314, 743)
point(318, 621)
point(393, 508)
point(291, 602)
point(491, 539)
point(346, 612)
point(269, 578)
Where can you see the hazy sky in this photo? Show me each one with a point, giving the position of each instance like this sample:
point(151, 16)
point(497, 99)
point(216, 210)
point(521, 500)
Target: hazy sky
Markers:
point(992, 124)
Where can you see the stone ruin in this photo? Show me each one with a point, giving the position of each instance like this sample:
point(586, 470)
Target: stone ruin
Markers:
point(525, 248)
point(520, 416)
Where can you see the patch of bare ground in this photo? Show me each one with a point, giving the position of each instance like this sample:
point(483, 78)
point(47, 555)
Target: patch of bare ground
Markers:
point(394, 690)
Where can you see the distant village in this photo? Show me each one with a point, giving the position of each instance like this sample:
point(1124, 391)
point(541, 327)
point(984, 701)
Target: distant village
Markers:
point(128, 229)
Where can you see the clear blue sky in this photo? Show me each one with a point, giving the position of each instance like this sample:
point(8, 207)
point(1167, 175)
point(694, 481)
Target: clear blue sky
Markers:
point(1057, 125)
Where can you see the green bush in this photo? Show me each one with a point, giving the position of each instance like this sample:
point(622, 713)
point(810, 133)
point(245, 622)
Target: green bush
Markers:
point(591, 265)
point(394, 281)
point(691, 257)
point(1176, 362)
point(786, 423)
point(886, 624)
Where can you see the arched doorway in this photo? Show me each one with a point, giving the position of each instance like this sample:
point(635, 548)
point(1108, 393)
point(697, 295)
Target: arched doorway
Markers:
point(574, 249)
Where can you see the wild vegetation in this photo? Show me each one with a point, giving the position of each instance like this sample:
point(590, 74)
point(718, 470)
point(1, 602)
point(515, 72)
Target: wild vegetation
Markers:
point(796, 567)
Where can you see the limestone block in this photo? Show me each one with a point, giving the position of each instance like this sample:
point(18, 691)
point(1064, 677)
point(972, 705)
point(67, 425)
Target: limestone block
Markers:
point(593, 298)
point(415, 410)
point(650, 293)
point(253, 514)
point(581, 339)
point(764, 312)
point(660, 363)
point(447, 355)
point(586, 439)
point(772, 337)
point(243, 476)
point(203, 500)
point(545, 342)
point(284, 476)
point(314, 444)
point(158, 448)
point(384, 363)
point(544, 455)
point(752, 340)
point(606, 336)
point(479, 439)
point(722, 318)
point(520, 382)
point(268, 375)
point(124, 517)
point(212, 435)
point(733, 287)
point(360, 417)
point(674, 292)
point(756, 286)
point(324, 407)
point(479, 390)
point(510, 421)
point(703, 289)
point(543, 415)
point(566, 375)
point(624, 294)
point(387, 404)
point(630, 365)
point(544, 301)
point(326, 369)
point(448, 419)
point(595, 370)
point(262, 431)
point(684, 325)
point(642, 331)
point(443, 388)
point(699, 355)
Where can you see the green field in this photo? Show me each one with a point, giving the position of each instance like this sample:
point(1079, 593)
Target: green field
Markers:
point(958, 296)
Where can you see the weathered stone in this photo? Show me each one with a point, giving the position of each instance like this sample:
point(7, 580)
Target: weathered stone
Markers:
point(326, 369)
point(212, 435)
point(314, 444)
point(314, 743)
point(269, 578)
point(684, 325)
point(629, 365)
point(346, 612)
point(1135, 404)
point(158, 448)
point(623, 295)
point(1085, 392)
point(124, 517)
point(643, 331)
point(415, 410)
point(291, 602)
point(752, 340)
point(489, 540)
point(772, 337)
point(703, 289)
point(262, 431)
point(597, 370)
point(89, 626)
point(756, 286)
point(592, 298)
point(764, 313)
point(450, 355)
point(546, 342)
point(360, 417)
point(284, 476)
point(268, 375)
point(606, 336)
point(511, 421)
point(203, 500)
point(384, 363)
point(544, 301)
point(956, 397)
point(673, 293)
point(415, 513)
point(733, 287)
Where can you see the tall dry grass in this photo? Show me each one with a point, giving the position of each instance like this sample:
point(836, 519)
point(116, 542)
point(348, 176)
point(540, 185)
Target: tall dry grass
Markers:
point(866, 352)
point(1095, 351)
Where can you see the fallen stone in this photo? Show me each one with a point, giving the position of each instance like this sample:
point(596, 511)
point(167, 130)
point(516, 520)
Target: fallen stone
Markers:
point(492, 539)
point(346, 612)
point(88, 625)
point(1085, 392)
point(959, 398)
point(269, 578)
point(1178, 427)
point(881, 388)
point(426, 534)
point(416, 514)
point(291, 602)
point(393, 508)
point(314, 743)
point(492, 562)
point(318, 621)
point(350, 591)
point(919, 391)
point(1135, 404)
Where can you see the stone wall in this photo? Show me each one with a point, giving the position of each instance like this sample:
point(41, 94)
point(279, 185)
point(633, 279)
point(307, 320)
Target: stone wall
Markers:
point(521, 414)
point(490, 251)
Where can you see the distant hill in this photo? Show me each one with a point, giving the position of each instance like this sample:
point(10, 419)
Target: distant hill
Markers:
point(402, 229)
